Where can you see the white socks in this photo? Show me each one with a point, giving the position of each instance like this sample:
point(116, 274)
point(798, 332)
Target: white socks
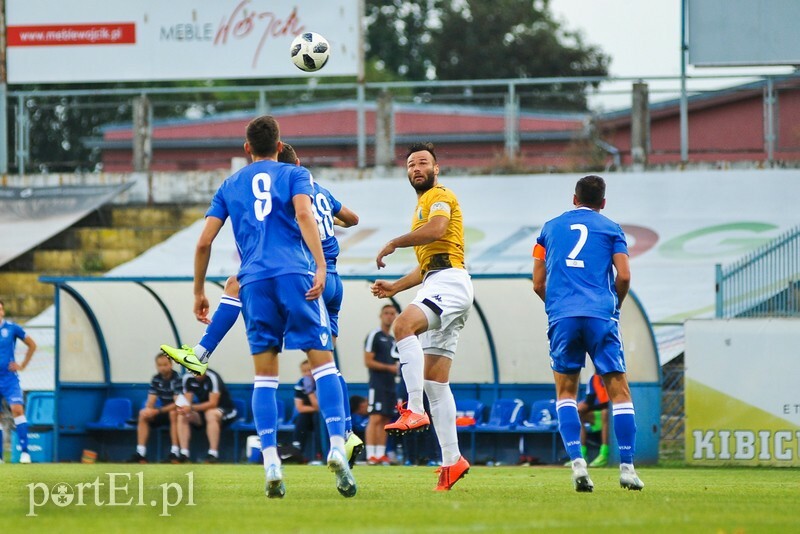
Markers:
point(443, 413)
point(412, 361)
point(202, 353)
point(271, 457)
point(337, 442)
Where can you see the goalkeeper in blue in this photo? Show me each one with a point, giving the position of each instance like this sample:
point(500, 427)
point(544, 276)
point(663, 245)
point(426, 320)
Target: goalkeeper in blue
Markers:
point(329, 212)
point(576, 257)
point(282, 277)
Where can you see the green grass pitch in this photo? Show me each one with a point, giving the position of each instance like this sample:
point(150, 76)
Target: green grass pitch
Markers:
point(230, 498)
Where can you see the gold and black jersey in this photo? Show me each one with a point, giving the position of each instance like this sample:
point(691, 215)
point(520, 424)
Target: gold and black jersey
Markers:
point(448, 251)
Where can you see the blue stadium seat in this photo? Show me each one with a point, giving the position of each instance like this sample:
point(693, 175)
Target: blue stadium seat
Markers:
point(244, 422)
point(283, 424)
point(117, 412)
point(506, 415)
point(543, 416)
point(241, 411)
point(543, 419)
point(469, 408)
point(40, 408)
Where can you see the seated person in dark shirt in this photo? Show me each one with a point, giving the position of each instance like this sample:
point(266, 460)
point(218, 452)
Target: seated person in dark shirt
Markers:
point(159, 409)
point(205, 402)
point(306, 408)
point(359, 410)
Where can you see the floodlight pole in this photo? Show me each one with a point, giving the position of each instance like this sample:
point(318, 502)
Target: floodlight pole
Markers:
point(361, 119)
point(3, 93)
point(684, 108)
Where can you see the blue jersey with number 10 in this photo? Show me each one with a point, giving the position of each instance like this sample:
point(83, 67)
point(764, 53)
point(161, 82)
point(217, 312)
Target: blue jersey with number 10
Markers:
point(579, 246)
point(258, 199)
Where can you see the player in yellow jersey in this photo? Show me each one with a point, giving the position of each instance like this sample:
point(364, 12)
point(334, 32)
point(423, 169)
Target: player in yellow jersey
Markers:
point(427, 330)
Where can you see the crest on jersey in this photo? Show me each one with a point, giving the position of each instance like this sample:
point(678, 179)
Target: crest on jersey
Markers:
point(4, 332)
point(419, 213)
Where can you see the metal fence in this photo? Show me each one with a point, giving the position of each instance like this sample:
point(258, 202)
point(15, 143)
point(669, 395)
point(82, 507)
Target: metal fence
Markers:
point(51, 130)
point(765, 283)
point(673, 412)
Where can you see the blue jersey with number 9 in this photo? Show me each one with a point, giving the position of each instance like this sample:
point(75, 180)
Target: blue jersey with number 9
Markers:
point(579, 246)
point(258, 199)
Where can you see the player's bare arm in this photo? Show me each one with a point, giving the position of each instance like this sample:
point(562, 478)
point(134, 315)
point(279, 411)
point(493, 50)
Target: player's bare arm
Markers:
point(211, 403)
point(374, 365)
point(431, 231)
point(539, 278)
point(31, 344)
point(345, 218)
point(187, 408)
point(202, 255)
point(150, 409)
point(310, 232)
point(623, 279)
point(385, 288)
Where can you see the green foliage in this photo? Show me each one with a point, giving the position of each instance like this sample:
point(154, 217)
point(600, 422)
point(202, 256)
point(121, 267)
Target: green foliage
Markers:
point(399, 34)
point(482, 39)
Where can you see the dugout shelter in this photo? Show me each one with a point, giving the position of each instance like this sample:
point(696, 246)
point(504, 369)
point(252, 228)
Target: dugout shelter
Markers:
point(108, 331)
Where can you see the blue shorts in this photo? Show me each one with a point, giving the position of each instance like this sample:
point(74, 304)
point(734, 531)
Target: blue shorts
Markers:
point(571, 338)
point(9, 388)
point(333, 294)
point(277, 315)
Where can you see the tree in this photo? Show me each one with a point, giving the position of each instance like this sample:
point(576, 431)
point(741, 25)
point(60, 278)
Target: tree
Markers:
point(399, 33)
point(483, 39)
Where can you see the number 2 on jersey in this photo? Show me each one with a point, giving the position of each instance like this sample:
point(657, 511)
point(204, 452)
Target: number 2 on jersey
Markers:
point(572, 260)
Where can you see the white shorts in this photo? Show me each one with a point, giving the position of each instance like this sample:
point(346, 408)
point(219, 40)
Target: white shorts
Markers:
point(445, 299)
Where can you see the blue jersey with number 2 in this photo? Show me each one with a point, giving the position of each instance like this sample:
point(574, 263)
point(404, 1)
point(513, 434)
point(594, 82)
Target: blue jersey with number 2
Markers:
point(258, 199)
point(579, 247)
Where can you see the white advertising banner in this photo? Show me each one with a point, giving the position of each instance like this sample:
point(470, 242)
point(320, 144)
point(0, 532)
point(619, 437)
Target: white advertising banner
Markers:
point(678, 225)
point(742, 404)
point(116, 40)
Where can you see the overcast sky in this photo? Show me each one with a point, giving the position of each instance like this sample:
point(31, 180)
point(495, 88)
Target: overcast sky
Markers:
point(643, 39)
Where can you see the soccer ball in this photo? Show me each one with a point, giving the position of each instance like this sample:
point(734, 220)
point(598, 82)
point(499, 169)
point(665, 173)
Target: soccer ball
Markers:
point(310, 51)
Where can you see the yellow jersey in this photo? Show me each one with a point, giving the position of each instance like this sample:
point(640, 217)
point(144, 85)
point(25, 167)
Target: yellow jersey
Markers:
point(448, 251)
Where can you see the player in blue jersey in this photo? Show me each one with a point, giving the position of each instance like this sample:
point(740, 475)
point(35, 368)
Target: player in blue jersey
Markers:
point(575, 259)
point(282, 277)
point(328, 212)
point(9, 381)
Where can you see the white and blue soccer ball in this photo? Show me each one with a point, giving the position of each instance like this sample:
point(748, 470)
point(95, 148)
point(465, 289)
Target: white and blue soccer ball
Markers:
point(310, 51)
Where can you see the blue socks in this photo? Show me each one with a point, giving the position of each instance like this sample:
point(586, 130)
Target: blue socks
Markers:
point(329, 394)
point(265, 410)
point(625, 430)
point(221, 322)
point(22, 432)
point(569, 425)
point(348, 419)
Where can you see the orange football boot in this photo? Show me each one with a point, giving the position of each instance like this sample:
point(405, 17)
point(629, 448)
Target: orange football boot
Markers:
point(451, 474)
point(408, 422)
